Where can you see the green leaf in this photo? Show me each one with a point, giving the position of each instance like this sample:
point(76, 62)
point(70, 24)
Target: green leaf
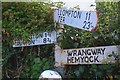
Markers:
point(37, 60)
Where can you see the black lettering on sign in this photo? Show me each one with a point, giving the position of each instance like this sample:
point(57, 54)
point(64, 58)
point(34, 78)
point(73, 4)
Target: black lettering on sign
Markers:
point(98, 51)
point(94, 52)
point(84, 24)
point(79, 14)
point(45, 34)
point(44, 40)
point(37, 36)
point(82, 52)
point(103, 51)
point(79, 53)
point(88, 16)
point(70, 60)
point(85, 55)
point(59, 12)
point(72, 14)
point(61, 19)
point(49, 34)
point(83, 59)
point(96, 59)
point(77, 59)
point(69, 13)
point(88, 52)
point(48, 40)
point(69, 53)
point(63, 12)
point(74, 52)
point(31, 42)
point(91, 59)
point(86, 59)
point(75, 14)
point(18, 43)
point(87, 25)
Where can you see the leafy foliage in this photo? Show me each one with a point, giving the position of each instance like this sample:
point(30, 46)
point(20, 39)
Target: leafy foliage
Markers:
point(35, 67)
point(107, 33)
point(21, 20)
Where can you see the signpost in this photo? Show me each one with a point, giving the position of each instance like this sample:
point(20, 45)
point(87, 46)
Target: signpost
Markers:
point(85, 20)
point(40, 39)
point(92, 55)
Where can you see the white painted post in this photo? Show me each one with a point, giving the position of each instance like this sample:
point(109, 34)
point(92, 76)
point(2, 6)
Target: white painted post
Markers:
point(58, 66)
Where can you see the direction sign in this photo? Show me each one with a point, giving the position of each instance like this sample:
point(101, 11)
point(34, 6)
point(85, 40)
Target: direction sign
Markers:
point(40, 39)
point(92, 55)
point(85, 20)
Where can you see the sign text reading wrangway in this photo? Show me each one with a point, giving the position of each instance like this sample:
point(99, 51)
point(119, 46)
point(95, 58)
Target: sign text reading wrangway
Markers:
point(91, 55)
point(82, 52)
point(85, 55)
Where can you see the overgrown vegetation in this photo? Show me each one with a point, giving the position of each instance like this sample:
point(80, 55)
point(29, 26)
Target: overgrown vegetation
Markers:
point(21, 20)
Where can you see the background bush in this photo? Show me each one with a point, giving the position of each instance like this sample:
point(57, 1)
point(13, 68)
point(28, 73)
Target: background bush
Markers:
point(21, 20)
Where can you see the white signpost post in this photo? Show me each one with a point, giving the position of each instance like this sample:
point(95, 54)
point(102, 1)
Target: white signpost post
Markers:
point(40, 39)
point(92, 55)
point(85, 20)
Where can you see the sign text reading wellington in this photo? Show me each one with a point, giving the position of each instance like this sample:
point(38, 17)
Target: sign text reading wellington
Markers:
point(86, 20)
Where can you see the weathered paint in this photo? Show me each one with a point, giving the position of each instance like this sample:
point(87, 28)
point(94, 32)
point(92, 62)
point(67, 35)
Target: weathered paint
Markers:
point(85, 20)
point(40, 39)
point(91, 55)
